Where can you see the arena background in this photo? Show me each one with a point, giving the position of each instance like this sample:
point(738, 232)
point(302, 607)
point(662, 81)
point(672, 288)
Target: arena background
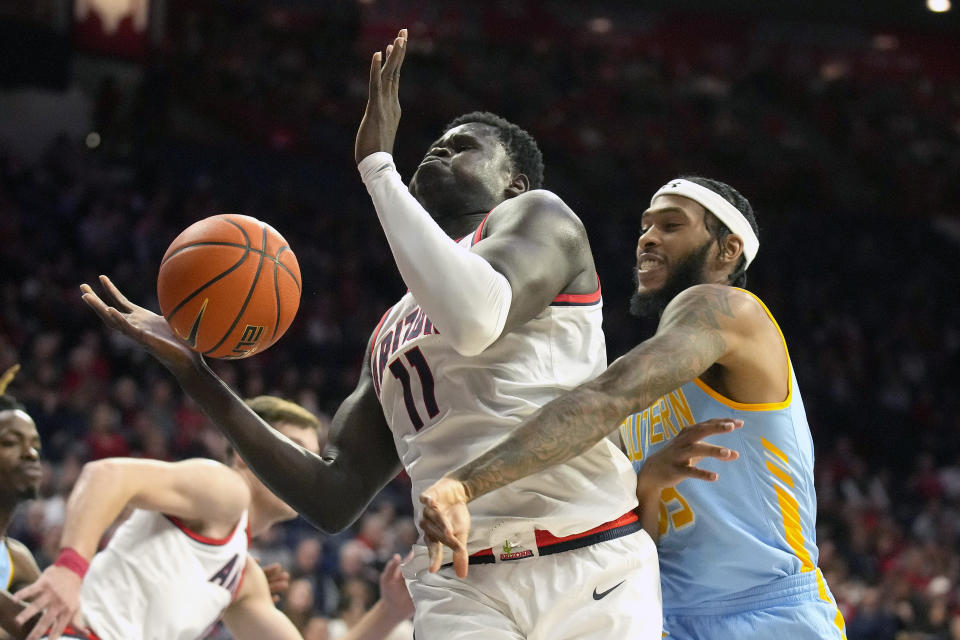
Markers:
point(123, 121)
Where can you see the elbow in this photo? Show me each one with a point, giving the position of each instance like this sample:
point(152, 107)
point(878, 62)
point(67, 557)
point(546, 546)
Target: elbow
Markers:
point(106, 471)
point(330, 522)
point(471, 338)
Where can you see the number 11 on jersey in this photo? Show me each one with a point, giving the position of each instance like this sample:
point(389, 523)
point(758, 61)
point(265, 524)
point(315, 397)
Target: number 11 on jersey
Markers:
point(401, 372)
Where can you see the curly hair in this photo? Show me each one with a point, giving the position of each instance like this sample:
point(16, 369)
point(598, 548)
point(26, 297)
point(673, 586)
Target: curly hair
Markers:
point(719, 230)
point(521, 147)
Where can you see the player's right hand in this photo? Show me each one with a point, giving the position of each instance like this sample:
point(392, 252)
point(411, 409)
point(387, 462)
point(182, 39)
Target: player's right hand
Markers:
point(677, 460)
point(378, 129)
point(445, 520)
point(146, 327)
point(56, 594)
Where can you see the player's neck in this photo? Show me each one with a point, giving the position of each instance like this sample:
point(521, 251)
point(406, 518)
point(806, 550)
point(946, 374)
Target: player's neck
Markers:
point(463, 225)
point(259, 519)
point(8, 506)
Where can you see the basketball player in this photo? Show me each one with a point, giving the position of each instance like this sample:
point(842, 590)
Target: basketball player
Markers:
point(738, 555)
point(503, 313)
point(179, 563)
point(20, 475)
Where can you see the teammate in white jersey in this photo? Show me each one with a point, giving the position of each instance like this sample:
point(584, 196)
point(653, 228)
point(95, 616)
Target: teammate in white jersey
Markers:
point(179, 563)
point(20, 475)
point(738, 557)
point(494, 326)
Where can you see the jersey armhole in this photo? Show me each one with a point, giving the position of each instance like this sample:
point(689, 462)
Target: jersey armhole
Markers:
point(758, 406)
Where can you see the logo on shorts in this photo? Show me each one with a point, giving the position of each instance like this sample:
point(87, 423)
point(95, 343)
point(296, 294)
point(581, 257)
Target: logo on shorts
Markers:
point(511, 552)
point(603, 594)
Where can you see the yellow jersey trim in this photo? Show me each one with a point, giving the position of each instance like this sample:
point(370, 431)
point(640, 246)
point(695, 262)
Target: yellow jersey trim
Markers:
point(759, 406)
point(13, 568)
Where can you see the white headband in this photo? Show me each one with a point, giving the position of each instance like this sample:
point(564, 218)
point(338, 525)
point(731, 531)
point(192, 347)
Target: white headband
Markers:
point(718, 206)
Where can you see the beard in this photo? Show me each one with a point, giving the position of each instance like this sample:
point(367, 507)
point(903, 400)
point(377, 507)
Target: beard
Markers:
point(686, 274)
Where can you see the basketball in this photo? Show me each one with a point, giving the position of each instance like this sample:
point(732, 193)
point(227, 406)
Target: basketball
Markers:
point(229, 286)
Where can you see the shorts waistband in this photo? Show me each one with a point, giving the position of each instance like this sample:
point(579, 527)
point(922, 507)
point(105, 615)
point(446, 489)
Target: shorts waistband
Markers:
point(71, 632)
point(548, 544)
point(802, 587)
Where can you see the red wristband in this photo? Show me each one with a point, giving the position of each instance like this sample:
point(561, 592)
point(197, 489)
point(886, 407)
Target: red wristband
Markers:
point(70, 559)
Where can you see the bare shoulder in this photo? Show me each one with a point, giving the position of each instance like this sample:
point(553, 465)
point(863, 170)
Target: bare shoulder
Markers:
point(538, 210)
point(25, 569)
point(704, 305)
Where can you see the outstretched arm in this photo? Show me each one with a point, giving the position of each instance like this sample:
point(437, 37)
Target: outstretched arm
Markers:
point(698, 328)
point(362, 457)
point(534, 249)
point(193, 489)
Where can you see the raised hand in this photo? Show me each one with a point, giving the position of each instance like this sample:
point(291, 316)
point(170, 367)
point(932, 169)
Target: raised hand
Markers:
point(382, 116)
point(56, 595)
point(393, 588)
point(445, 520)
point(146, 327)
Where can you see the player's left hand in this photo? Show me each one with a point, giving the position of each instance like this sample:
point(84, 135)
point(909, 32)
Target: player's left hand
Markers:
point(446, 521)
point(56, 594)
point(678, 460)
point(382, 117)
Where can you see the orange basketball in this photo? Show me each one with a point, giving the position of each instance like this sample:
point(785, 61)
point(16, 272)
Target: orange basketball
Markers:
point(229, 286)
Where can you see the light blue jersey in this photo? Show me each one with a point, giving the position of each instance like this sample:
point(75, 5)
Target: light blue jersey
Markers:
point(6, 566)
point(750, 533)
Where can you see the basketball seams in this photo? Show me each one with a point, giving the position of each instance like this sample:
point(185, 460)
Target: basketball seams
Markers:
point(253, 286)
point(276, 292)
point(206, 243)
point(220, 276)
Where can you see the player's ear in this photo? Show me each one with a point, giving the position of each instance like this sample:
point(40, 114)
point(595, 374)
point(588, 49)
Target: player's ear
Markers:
point(520, 183)
point(731, 249)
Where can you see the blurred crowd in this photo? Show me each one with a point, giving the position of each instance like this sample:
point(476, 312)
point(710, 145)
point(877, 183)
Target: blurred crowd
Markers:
point(845, 139)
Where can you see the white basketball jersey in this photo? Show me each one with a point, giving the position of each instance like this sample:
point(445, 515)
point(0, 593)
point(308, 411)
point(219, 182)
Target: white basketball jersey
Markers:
point(157, 580)
point(445, 409)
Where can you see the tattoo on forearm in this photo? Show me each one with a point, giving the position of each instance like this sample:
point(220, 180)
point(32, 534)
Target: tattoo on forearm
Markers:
point(688, 342)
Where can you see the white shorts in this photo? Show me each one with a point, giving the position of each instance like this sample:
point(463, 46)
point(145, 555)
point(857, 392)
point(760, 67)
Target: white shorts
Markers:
point(605, 590)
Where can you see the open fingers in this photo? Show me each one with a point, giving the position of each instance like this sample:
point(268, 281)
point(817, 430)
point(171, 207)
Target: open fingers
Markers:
point(436, 556)
point(436, 528)
point(711, 427)
point(690, 471)
point(57, 628)
point(393, 566)
point(119, 300)
point(395, 54)
point(374, 87)
point(461, 561)
point(46, 622)
point(32, 608)
point(707, 450)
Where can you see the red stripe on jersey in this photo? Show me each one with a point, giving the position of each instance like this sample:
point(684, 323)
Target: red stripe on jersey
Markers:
point(376, 332)
point(478, 234)
point(243, 574)
point(580, 298)
point(77, 634)
point(218, 542)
